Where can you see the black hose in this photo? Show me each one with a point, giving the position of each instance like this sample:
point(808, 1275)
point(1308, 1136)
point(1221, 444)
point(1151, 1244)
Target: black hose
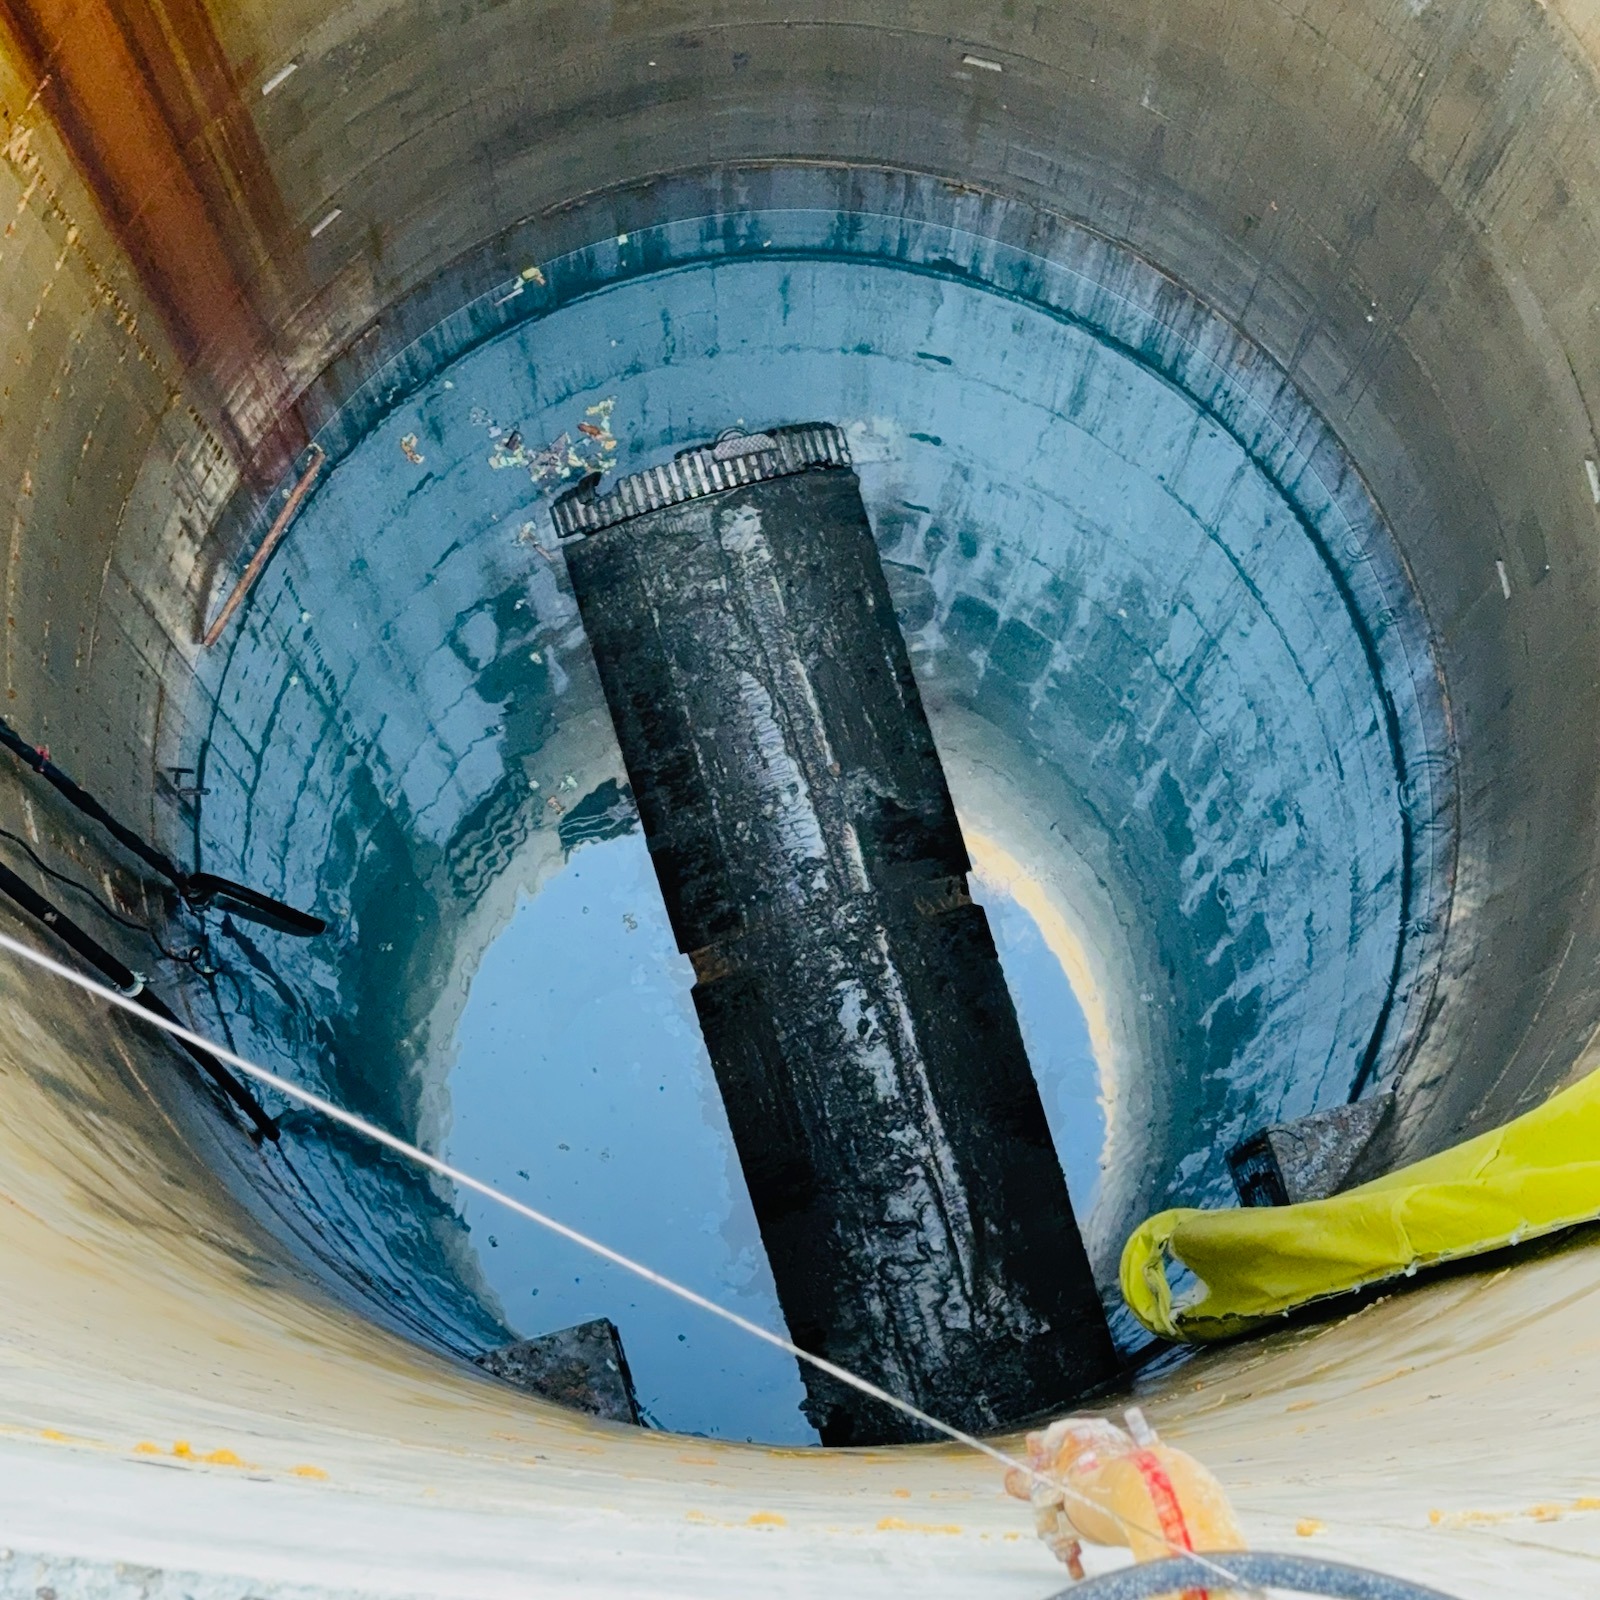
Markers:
point(199, 888)
point(68, 932)
point(131, 984)
point(191, 958)
point(87, 804)
point(1254, 1569)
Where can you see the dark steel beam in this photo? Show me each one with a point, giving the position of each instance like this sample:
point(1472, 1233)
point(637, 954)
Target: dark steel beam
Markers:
point(885, 1114)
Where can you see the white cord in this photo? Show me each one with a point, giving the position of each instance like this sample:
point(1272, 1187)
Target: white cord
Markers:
point(306, 1097)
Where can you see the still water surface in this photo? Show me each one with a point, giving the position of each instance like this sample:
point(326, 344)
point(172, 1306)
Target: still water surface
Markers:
point(581, 1085)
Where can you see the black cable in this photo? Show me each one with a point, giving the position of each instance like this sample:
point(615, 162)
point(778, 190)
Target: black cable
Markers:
point(131, 984)
point(1260, 1569)
point(198, 888)
point(188, 959)
point(72, 883)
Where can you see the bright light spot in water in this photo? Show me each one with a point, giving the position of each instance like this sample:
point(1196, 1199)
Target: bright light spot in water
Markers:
point(1056, 1033)
point(582, 1085)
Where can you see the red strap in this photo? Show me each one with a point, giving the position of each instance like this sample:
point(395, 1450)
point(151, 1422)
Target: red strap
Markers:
point(1174, 1529)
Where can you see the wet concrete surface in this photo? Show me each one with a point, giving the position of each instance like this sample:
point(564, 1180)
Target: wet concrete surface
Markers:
point(1131, 623)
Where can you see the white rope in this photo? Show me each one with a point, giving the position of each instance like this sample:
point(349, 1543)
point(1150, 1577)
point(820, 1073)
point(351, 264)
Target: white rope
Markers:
point(465, 1180)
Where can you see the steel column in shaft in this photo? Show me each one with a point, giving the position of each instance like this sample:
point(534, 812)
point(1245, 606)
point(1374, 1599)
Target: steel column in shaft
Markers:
point(866, 1046)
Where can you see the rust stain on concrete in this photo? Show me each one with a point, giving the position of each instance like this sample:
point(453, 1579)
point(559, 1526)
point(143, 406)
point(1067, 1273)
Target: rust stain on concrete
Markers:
point(145, 100)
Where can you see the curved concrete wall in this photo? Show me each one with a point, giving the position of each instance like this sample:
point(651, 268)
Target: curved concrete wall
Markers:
point(1395, 202)
point(1142, 587)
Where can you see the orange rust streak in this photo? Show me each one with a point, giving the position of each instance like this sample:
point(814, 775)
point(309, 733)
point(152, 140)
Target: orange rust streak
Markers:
point(103, 93)
point(280, 526)
point(201, 99)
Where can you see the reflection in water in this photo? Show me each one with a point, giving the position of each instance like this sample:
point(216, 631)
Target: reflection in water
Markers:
point(581, 1085)
point(1056, 1033)
point(1122, 636)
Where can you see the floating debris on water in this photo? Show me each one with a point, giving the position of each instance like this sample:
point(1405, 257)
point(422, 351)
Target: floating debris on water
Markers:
point(528, 275)
point(593, 450)
point(548, 462)
point(507, 452)
point(413, 455)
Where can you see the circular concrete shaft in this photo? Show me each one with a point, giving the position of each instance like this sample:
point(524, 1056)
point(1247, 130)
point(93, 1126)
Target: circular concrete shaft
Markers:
point(231, 233)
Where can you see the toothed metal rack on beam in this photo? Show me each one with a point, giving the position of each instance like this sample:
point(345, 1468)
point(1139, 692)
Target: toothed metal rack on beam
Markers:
point(734, 461)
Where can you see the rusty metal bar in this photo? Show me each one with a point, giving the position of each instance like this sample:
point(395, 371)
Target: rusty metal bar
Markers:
point(280, 526)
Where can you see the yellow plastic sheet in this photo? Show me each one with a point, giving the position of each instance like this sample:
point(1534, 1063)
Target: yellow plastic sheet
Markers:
point(1537, 1174)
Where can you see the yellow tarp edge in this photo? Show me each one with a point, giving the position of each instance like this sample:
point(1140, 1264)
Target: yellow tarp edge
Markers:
point(1533, 1176)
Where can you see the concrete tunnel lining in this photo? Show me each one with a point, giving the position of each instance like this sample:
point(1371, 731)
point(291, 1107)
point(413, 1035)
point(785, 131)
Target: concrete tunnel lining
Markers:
point(1300, 173)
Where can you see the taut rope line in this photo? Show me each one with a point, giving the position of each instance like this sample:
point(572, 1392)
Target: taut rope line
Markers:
point(465, 1180)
